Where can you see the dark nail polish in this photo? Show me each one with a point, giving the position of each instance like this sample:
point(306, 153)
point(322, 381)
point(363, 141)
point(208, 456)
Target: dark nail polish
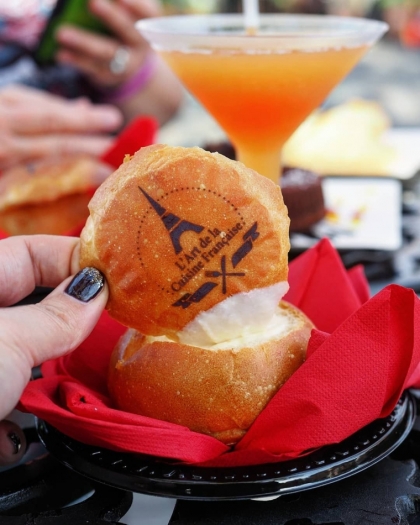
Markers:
point(86, 284)
point(16, 442)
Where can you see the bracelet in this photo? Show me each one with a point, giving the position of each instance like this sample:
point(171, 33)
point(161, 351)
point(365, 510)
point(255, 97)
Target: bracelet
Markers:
point(135, 83)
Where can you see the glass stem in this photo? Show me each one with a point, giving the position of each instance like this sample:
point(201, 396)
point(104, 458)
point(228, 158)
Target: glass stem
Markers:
point(267, 163)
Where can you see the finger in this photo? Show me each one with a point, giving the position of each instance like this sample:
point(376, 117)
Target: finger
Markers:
point(60, 322)
point(8, 155)
point(20, 94)
point(98, 71)
point(143, 8)
point(119, 20)
point(12, 443)
point(30, 335)
point(93, 54)
point(35, 147)
point(38, 260)
point(48, 116)
point(85, 43)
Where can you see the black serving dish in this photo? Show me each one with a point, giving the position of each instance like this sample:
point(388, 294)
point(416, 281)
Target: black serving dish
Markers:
point(151, 475)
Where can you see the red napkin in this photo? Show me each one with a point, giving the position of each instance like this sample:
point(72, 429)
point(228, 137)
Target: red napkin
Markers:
point(410, 32)
point(363, 355)
point(140, 132)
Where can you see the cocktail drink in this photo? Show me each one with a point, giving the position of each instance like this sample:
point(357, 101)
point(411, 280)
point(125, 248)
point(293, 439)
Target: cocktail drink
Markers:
point(260, 100)
point(261, 86)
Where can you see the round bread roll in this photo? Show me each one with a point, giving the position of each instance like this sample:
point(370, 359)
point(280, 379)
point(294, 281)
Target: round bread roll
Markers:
point(218, 390)
point(53, 218)
point(177, 231)
point(50, 179)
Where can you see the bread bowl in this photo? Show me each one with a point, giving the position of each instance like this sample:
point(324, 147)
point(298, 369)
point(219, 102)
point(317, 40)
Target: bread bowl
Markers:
point(217, 390)
point(194, 247)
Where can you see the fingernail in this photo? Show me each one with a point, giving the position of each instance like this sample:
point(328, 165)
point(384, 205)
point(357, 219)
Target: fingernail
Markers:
point(16, 442)
point(86, 284)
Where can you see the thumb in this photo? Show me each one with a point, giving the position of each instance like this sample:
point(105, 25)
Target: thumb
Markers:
point(29, 335)
point(63, 320)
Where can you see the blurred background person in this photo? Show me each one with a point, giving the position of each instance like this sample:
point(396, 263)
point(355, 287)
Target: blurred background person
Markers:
point(118, 68)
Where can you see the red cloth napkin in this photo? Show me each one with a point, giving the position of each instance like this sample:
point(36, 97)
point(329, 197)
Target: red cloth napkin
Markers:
point(410, 31)
point(364, 353)
point(140, 132)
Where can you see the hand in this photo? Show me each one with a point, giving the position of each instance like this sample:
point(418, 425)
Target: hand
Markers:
point(35, 124)
point(93, 53)
point(29, 335)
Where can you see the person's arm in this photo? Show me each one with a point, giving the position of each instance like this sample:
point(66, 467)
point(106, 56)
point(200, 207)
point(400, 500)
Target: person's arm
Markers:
point(159, 92)
point(36, 124)
point(31, 334)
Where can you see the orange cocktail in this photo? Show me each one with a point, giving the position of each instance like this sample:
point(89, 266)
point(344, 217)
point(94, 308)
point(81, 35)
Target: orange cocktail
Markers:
point(259, 100)
point(261, 86)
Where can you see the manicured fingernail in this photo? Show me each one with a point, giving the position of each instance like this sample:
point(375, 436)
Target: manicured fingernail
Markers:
point(86, 284)
point(16, 442)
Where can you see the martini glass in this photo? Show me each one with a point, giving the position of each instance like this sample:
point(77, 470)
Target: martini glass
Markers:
point(261, 85)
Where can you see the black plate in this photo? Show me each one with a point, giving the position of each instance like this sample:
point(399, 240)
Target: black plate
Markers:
point(150, 475)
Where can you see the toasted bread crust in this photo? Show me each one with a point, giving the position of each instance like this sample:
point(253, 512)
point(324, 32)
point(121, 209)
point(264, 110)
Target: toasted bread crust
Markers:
point(49, 180)
point(215, 392)
point(52, 218)
point(177, 230)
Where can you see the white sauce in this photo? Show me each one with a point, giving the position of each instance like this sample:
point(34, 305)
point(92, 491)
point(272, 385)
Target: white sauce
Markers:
point(245, 319)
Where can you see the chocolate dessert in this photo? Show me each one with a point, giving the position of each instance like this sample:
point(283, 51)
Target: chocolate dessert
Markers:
point(303, 196)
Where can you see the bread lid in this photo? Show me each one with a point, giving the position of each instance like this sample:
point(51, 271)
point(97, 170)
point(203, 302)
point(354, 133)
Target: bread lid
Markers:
point(177, 231)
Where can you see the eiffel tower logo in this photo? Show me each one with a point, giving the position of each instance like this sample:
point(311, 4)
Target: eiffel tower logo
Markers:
point(174, 224)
